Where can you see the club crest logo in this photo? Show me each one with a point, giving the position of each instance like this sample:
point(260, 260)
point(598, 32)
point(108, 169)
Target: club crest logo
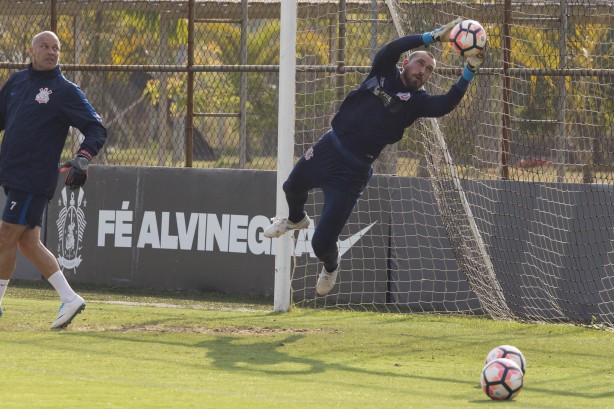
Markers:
point(43, 95)
point(404, 96)
point(71, 226)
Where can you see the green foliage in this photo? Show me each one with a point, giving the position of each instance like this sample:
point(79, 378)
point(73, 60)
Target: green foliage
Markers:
point(131, 36)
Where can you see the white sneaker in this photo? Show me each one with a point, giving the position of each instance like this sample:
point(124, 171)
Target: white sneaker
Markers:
point(326, 280)
point(281, 225)
point(68, 311)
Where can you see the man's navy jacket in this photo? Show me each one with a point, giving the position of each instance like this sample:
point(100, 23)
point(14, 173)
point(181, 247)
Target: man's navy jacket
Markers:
point(37, 108)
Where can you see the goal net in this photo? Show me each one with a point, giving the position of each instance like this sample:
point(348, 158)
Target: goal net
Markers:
point(503, 207)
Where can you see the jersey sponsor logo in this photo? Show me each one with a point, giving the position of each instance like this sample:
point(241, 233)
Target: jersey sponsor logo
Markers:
point(208, 232)
point(43, 95)
point(71, 227)
point(404, 96)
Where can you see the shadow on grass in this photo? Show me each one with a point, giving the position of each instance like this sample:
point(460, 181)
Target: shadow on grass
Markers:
point(247, 354)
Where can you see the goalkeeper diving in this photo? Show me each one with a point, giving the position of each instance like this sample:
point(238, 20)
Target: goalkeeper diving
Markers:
point(370, 117)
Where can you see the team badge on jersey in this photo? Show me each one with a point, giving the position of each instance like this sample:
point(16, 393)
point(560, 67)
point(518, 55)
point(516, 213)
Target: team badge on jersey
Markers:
point(43, 95)
point(309, 154)
point(404, 96)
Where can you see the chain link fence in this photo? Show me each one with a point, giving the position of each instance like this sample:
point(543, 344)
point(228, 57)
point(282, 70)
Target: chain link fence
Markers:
point(177, 83)
point(194, 83)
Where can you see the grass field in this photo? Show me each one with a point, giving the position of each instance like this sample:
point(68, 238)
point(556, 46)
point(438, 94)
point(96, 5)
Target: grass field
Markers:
point(138, 349)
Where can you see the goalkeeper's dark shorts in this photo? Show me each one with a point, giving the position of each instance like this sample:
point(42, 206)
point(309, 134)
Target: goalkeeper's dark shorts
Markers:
point(342, 179)
point(24, 208)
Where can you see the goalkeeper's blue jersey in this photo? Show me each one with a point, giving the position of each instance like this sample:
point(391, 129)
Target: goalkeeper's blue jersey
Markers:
point(378, 111)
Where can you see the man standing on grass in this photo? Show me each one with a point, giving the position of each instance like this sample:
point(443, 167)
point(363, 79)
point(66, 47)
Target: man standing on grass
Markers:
point(37, 108)
point(369, 118)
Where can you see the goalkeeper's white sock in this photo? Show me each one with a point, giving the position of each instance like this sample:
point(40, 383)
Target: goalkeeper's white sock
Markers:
point(58, 281)
point(3, 285)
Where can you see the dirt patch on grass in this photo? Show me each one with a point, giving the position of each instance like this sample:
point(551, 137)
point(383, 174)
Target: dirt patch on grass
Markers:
point(218, 330)
point(167, 305)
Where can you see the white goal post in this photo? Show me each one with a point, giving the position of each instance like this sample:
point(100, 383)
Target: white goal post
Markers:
point(285, 147)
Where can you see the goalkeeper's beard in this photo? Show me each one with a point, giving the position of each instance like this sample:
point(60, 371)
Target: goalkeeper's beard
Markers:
point(414, 82)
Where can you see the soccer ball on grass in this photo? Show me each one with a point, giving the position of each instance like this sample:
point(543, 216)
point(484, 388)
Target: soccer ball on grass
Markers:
point(509, 352)
point(502, 379)
point(468, 38)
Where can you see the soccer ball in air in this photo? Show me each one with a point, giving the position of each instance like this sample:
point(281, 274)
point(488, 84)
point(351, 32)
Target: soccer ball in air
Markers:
point(502, 379)
point(468, 38)
point(509, 352)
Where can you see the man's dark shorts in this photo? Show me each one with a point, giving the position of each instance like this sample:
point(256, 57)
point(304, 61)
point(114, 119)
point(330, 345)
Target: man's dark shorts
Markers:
point(24, 208)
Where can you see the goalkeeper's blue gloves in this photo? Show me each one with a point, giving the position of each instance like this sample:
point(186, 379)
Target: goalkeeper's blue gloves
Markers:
point(441, 34)
point(77, 169)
